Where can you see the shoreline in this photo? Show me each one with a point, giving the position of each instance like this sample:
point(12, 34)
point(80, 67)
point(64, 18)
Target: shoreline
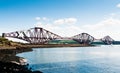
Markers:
point(25, 46)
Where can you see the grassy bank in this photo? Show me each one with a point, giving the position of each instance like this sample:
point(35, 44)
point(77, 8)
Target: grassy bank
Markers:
point(7, 44)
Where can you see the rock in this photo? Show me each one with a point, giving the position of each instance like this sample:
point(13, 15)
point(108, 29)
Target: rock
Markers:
point(37, 72)
point(6, 67)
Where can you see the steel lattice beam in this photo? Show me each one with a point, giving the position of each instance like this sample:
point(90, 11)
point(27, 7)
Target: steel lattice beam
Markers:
point(83, 38)
point(35, 35)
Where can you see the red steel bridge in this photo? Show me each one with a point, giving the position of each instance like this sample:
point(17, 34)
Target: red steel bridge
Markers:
point(39, 35)
point(35, 35)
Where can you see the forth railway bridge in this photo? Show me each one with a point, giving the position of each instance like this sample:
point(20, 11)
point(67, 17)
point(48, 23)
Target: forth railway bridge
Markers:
point(40, 35)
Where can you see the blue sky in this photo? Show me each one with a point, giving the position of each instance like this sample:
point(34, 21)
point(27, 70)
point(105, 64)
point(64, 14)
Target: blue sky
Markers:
point(96, 17)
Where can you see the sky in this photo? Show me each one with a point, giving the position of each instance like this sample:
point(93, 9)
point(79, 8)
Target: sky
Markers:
point(63, 17)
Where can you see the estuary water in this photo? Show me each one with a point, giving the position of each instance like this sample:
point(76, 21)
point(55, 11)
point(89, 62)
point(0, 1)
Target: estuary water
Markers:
point(99, 59)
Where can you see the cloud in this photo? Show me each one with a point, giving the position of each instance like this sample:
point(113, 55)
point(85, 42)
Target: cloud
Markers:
point(59, 21)
point(113, 14)
point(37, 18)
point(110, 23)
point(55, 26)
point(118, 5)
point(70, 20)
point(66, 21)
point(45, 18)
point(41, 19)
point(108, 26)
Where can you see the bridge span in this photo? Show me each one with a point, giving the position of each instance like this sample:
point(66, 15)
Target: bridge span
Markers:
point(35, 35)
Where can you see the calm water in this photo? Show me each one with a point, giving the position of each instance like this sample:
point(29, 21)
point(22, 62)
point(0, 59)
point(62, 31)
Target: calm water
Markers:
point(101, 59)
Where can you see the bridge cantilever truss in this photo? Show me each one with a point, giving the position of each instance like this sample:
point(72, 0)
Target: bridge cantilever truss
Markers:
point(35, 35)
point(39, 35)
point(83, 38)
point(107, 40)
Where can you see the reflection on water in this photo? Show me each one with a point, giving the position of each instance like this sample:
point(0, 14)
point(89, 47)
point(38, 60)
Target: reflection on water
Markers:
point(104, 59)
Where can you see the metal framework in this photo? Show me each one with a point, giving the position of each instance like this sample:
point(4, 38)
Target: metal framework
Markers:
point(83, 38)
point(35, 35)
point(107, 40)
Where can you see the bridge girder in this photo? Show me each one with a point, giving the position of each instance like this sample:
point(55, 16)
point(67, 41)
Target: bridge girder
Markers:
point(35, 35)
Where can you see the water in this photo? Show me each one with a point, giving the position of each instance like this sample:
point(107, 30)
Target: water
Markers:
point(101, 59)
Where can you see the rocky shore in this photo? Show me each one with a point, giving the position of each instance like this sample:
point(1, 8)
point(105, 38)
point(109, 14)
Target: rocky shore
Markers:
point(8, 67)
point(10, 63)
